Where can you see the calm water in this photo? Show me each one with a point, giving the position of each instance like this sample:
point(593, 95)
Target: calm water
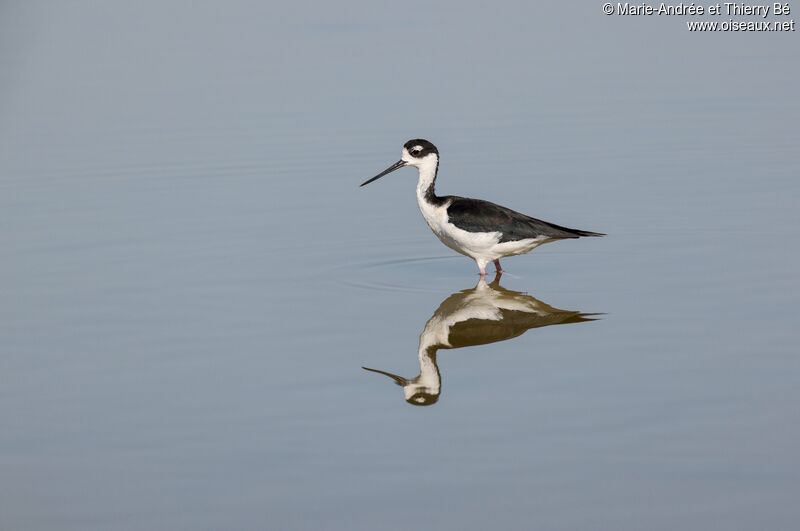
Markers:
point(192, 280)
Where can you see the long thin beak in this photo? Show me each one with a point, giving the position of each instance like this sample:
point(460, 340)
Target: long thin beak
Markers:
point(396, 166)
point(399, 380)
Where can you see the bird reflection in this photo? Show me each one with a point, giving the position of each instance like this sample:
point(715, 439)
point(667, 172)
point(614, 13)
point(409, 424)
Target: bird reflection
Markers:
point(484, 314)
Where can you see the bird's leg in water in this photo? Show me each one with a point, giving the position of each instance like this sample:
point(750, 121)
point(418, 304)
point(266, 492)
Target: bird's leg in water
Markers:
point(482, 266)
point(497, 266)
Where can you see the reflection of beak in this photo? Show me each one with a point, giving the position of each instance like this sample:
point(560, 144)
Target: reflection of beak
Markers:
point(399, 380)
point(396, 166)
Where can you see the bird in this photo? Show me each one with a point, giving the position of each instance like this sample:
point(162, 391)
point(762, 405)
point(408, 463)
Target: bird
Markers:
point(487, 313)
point(478, 229)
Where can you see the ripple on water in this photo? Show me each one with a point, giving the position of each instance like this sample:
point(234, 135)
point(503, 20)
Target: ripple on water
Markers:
point(417, 274)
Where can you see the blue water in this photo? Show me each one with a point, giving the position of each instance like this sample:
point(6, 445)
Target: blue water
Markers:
point(192, 279)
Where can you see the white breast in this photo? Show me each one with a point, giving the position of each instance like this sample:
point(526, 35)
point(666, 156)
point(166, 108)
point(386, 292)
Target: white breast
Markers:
point(473, 244)
point(481, 246)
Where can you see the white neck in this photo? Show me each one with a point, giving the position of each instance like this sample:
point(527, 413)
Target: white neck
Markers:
point(428, 380)
point(427, 175)
point(428, 371)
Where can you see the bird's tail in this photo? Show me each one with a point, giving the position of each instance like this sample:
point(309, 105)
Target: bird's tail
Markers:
point(586, 233)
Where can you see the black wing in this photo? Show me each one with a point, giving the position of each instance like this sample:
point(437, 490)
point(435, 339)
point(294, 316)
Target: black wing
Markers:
point(475, 215)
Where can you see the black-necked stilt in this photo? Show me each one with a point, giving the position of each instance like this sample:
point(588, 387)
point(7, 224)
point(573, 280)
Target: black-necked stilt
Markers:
point(479, 229)
point(485, 314)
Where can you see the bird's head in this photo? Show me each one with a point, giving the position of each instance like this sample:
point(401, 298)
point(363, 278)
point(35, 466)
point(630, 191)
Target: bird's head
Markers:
point(418, 153)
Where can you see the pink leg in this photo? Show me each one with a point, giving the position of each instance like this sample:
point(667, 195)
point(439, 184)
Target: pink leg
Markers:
point(497, 266)
point(481, 266)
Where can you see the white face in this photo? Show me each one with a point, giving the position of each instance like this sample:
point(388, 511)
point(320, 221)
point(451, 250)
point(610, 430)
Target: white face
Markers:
point(420, 162)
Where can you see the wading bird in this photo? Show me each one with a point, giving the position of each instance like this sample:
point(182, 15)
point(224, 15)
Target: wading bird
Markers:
point(481, 230)
point(485, 314)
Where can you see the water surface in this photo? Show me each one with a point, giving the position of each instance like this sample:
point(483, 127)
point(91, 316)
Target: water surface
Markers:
point(192, 279)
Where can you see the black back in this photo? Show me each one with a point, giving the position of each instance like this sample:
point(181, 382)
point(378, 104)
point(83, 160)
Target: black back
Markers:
point(476, 215)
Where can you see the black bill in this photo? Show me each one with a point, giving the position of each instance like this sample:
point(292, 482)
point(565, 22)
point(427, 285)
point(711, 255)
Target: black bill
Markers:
point(399, 380)
point(396, 166)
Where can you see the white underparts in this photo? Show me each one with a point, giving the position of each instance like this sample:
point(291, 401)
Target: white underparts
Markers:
point(483, 247)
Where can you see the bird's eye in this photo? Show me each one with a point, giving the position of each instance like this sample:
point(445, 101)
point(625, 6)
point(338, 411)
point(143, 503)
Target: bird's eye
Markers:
point(416, 151)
